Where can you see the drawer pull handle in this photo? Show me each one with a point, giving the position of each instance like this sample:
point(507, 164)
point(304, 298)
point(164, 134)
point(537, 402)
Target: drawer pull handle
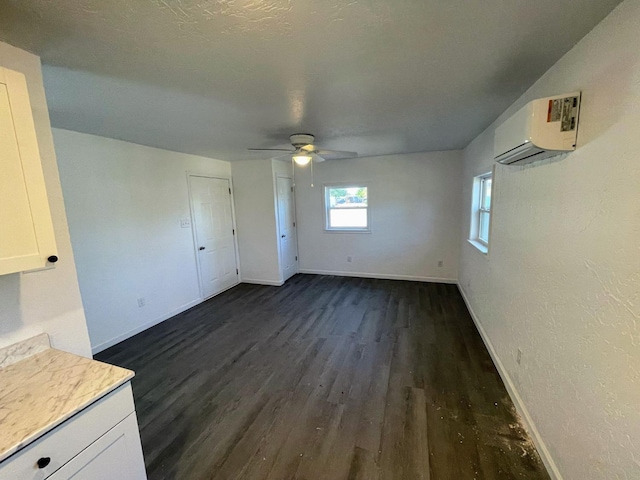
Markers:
point(43, 462)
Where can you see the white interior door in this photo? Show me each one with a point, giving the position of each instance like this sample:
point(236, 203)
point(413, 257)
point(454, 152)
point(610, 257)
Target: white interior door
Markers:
point(214, 231)
point(287, 228)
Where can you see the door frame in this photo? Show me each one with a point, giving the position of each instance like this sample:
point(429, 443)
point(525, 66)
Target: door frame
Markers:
point(194, 237)
point(295, 216)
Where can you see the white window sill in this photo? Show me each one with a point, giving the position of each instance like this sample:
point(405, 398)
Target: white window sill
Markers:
point(346, 230)
point(480, 246)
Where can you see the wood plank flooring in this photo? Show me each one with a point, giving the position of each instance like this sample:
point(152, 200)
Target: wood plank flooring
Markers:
point(324, 378)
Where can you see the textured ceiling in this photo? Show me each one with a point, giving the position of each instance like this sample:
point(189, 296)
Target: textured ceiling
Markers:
point(213, 77)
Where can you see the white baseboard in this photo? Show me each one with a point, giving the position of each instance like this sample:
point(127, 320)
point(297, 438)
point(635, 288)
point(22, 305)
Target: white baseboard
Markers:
point(256, 281)
point(382, 276)
point(160, 319)
point(109, 343)
point(552, 469)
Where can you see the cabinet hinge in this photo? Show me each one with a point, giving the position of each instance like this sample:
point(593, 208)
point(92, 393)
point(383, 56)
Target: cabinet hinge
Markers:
point(233, 231)
point(296, 258)
point(229, 190)
point(292, 189)
point(236, 271)
point(294, 224)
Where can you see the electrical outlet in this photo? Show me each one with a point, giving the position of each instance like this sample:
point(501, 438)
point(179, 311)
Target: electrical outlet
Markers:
point(440, 263)
point(349, 259)
point(519, 357)
point(185, 223)
point(141, 302)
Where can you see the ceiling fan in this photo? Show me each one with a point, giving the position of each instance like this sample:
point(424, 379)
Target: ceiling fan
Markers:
point(304, 151)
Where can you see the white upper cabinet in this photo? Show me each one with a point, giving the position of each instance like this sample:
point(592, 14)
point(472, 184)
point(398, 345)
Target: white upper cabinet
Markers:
point(27, 240)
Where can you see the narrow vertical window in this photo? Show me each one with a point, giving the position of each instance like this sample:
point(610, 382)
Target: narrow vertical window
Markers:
point(484, 211)
point(481, 212)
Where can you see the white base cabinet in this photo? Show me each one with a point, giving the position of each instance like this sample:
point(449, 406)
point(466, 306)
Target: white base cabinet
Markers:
point(100, 442)
point(117, 454)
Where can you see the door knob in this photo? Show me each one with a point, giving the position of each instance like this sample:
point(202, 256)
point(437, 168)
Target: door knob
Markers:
point(201, 248)
point(282, 236)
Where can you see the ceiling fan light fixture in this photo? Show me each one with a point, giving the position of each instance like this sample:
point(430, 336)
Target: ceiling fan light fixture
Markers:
point(302, 159)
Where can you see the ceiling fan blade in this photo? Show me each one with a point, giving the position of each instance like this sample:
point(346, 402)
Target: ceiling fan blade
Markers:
point(317, 158)
point(336, 154)
point(271, 150)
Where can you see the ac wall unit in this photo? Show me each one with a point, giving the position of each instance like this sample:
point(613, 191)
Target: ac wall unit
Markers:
point(541, 129)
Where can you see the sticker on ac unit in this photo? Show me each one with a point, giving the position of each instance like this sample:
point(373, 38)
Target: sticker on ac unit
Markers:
point(555, 110)
point(569, 112)
point(563, 110)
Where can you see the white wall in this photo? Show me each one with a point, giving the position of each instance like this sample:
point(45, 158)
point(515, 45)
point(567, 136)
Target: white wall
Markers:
point(562, 278)
point(415, 217)
point(125, 203)
point(255, 201)
point(45, 301)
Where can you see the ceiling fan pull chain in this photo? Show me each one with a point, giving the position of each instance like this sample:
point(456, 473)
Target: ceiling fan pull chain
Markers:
point(293, 172)
point(311, 172)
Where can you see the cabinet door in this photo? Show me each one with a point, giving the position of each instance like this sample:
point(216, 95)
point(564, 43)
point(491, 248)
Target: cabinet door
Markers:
point(26, 231)
point(115, 455)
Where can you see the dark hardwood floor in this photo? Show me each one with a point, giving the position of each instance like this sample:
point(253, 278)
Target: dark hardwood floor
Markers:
point(324, 378)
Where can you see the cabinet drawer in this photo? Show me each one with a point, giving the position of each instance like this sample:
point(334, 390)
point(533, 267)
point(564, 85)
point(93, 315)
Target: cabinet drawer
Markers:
point(68, 439)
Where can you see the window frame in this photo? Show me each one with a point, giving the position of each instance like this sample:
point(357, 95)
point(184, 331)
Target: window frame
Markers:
point(327, 208)
point(478, 210)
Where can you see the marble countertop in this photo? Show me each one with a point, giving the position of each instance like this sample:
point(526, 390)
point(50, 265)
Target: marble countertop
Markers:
point(41, 387)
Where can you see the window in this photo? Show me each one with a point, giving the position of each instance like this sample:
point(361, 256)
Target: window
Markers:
point(346, 208)
point(481, 212)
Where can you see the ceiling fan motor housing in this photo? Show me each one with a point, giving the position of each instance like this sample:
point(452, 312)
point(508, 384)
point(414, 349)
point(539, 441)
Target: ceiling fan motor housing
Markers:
point(299, 140)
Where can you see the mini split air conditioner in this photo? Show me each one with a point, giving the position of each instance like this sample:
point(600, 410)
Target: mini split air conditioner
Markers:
point(541, 129)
